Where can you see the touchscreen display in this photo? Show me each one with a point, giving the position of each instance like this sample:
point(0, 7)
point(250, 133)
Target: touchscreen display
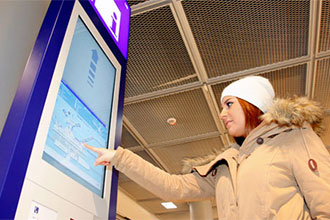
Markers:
point(82, 111)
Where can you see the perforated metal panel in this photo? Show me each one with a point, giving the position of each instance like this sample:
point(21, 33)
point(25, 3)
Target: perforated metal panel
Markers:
point(322, 82)
point(138, 192)
point(242, 37)
point(237, 35)
point(187, 150)
point(123, 178)
point(189, 108)
point(324, 43)
point(134, 2)
point(127, 140)
point(288, 82)
point(157, 56)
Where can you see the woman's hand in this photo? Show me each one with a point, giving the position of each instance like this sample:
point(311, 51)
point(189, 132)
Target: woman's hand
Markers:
point(104, 156)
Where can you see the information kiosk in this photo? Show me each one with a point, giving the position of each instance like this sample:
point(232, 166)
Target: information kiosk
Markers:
point(72, 92)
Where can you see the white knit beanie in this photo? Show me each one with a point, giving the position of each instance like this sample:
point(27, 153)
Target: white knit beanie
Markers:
point(256, 90)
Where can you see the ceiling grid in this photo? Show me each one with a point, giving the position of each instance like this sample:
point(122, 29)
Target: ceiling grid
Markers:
point(314, 22)
point(324, 40)
point(144, 145)
point(188, 37)
point(183, 53)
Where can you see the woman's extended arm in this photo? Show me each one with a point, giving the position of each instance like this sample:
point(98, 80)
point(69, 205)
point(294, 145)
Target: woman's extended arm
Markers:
point(166, 186)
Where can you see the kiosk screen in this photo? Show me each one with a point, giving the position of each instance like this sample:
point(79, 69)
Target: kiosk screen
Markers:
point(82, 111)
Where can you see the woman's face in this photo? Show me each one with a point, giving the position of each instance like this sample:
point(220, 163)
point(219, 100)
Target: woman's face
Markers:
point(233, 117)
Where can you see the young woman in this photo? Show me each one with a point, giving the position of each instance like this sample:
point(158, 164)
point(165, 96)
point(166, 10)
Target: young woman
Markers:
point(278, 169)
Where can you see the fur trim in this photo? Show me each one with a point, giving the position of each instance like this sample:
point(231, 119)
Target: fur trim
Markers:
point(295, 111)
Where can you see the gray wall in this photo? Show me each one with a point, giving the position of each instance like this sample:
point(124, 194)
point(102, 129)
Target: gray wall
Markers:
point(20, 21)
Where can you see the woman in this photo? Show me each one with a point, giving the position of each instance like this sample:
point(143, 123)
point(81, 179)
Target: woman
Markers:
point(278, 169)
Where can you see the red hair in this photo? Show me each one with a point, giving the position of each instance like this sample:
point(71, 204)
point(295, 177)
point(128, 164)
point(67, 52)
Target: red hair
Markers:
point(251, 114)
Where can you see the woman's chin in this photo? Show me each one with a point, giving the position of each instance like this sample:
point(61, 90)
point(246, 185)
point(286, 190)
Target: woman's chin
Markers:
point(235, 133)
point(232, 134)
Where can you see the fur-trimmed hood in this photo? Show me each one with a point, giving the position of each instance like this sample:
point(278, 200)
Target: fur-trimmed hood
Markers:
point(295, 111)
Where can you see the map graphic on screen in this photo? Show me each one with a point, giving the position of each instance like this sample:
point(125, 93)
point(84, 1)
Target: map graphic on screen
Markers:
point(82, 111)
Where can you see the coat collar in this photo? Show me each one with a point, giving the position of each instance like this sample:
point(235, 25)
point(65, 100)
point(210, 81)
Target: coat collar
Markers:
point(224, 157)
point(264, 131)
point(229, 157)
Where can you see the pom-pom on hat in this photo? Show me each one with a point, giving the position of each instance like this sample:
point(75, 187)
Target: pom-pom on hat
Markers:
point(256, 90)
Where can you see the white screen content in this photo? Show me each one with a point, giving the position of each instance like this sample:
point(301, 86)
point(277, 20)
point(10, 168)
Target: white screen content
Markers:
point(82, 111)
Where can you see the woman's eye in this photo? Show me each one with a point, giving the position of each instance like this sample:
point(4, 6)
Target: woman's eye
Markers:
point(229, 104)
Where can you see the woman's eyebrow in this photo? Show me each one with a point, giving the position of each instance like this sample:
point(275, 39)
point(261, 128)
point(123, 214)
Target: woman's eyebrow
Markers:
point(225, 102)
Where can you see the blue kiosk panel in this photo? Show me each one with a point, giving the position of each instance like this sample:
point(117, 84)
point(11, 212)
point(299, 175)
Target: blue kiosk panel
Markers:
point(71, 92)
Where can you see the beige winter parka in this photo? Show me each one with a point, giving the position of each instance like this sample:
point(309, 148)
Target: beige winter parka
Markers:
point(268, 177)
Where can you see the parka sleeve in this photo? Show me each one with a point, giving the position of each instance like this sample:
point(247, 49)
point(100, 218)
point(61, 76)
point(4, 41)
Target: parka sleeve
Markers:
point(314, 185)
point(166, 186)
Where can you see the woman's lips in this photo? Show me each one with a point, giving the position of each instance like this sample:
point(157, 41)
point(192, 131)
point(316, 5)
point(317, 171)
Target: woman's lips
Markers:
point(228, 123)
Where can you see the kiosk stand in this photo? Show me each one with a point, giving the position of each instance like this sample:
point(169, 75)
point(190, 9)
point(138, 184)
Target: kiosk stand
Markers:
point(71, 92)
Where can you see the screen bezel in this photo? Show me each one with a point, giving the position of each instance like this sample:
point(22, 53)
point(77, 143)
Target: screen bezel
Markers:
point(38, 168)
point(107, 123)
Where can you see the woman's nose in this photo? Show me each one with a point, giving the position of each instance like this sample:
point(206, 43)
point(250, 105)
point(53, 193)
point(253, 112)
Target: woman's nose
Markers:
point(223, 114)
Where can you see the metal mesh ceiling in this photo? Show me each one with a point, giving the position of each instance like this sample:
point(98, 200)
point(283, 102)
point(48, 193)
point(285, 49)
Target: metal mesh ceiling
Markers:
point(288, 82)
point(134, 2)
point(324, 44)
point(157, 56)
point(322, 82)
point(138, 192)
point(127, 140)
point(123, 178)
point(237, 35)
point(189, 108)
point(181, 53)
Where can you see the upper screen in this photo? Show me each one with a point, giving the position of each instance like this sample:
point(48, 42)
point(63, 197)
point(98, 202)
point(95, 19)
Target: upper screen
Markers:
point(82, 111)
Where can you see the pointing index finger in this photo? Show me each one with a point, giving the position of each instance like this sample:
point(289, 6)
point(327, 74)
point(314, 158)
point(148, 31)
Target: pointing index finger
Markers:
point(90, 147)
